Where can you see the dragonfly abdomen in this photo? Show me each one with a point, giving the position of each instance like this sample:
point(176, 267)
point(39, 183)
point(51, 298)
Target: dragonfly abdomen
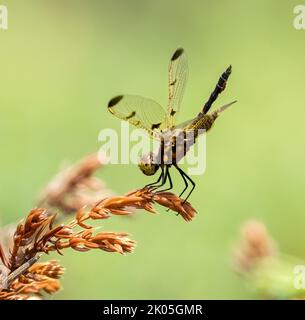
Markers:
point(203, 122)
point(221, 85)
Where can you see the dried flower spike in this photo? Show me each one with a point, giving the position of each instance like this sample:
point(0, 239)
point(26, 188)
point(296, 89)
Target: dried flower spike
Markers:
point(24, 278)
point(75, 186)
point(255, 245)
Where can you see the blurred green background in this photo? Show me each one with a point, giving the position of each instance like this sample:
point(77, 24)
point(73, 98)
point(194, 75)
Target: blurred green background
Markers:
point(61, 61)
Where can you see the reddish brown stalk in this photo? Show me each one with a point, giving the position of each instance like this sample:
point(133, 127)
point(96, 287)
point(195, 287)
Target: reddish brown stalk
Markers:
point(39, 278)
point(38, 235)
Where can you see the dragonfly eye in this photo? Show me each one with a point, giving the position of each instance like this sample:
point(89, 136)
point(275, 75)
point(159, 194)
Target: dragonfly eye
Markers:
point(147, 166)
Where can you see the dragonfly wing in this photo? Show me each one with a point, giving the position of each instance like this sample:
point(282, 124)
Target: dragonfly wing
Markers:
point(141, 112)
point(177, 77)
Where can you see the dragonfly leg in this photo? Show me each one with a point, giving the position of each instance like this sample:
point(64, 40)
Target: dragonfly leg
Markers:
point(156, 182)
point(193, 186)
point(185, 176)
point(164, 178)
point(170, 184)
point(167, 175)
point(184, 179)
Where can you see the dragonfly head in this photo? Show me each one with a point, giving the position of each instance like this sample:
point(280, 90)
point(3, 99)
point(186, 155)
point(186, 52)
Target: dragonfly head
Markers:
point(147, 165)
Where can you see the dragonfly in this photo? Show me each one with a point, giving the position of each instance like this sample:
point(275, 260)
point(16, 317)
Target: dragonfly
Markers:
point(160, 123)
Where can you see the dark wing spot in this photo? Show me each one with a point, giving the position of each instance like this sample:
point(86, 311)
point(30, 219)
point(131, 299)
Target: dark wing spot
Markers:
point(173, 112)
point(133, 113)
point(173, 83)
point(177, 54)
point(114, 101)
point(155, 126)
